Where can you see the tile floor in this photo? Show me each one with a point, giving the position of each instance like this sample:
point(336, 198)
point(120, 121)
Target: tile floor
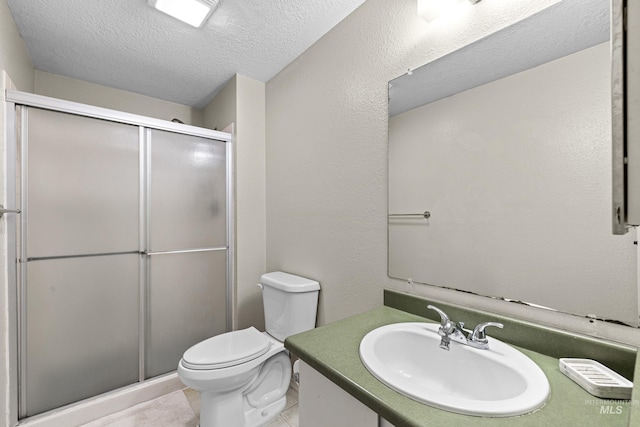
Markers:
point(182, 409)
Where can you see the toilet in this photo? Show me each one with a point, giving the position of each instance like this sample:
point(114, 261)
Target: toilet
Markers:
point(243, 376)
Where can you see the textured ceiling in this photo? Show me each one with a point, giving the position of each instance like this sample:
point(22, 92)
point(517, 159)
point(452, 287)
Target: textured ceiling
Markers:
point(127, 45)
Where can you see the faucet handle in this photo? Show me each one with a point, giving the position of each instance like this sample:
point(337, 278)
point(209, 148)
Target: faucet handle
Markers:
point(478, 335)
point(445, 324)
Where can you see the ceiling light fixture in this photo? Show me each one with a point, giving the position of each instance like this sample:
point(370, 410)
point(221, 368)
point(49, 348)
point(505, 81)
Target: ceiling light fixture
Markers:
point(193, 12)
point(430, 10)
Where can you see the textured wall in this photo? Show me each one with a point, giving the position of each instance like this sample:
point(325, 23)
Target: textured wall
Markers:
point(250, 201)
point(327, 150)
point(327, 143)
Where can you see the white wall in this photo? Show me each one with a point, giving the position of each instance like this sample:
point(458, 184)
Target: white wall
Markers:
point(327, 153)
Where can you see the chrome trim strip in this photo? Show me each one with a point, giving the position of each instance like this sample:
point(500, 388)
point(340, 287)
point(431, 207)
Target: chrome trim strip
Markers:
point(231, 266)
point(632, 109)
point(48, 258)
point(147, 189)
point(48, 103)
point(142, 245)
point(185, 251)
point(618, 143)
point(425, 215)
point(22, 317)
point(11, 158)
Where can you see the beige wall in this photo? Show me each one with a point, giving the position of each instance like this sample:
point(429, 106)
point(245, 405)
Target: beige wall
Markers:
point(242, 102)
point(250, 201)
point(221, 111)
point(69, 89)
point(327, 154)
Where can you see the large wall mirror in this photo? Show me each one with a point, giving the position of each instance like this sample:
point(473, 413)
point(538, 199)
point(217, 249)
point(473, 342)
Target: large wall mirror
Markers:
point(507, 144)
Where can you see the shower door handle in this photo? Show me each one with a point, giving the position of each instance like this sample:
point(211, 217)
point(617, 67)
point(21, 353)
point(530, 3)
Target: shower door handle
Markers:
point(184, 251)
point(4, 211)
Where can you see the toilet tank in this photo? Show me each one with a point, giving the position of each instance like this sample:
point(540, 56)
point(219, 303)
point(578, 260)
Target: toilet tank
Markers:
point(290, 303)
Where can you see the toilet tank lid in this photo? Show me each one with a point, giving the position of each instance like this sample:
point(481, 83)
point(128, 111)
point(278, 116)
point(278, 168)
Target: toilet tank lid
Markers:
point(289, 282)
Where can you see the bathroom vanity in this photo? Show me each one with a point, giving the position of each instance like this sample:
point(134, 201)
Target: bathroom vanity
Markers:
point(337, 389)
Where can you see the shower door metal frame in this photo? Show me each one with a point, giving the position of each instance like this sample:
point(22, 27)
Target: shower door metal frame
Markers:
point(17, 262)
point(10, 164)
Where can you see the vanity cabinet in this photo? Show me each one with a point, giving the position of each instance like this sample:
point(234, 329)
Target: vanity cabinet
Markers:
point(322, 403)
point(336, 389)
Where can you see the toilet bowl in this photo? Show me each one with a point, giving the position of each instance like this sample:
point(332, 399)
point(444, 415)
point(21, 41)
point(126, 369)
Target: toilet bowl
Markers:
point(243, 376)
point(244, 381)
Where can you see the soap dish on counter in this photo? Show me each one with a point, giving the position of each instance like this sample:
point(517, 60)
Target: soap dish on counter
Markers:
point(596, 378)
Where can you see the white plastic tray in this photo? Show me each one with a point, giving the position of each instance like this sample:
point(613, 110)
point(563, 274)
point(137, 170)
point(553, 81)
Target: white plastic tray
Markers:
point(596, 378)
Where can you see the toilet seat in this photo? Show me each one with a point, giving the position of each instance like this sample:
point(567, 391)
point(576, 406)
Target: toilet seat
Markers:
point(225, 350)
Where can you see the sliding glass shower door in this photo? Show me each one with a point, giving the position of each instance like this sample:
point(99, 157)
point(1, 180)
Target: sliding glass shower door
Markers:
point(186, 257)
point(80, 285)
point(124, 250)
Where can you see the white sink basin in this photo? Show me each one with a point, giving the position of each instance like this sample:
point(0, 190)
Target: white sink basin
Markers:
point(498, 382)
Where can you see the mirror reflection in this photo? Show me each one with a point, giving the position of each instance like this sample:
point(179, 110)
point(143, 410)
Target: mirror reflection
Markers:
point(507, 144)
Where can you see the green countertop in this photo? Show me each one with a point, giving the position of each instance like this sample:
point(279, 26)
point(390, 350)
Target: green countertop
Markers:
point(333, 351)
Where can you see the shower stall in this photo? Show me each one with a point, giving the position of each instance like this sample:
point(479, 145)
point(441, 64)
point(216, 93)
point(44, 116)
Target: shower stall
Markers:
point(122, 255)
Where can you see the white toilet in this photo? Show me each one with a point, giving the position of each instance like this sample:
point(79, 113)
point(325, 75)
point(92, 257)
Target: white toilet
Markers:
point(243, 376)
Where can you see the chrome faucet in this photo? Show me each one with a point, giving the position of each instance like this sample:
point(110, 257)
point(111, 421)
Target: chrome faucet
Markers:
point(478, 338)
point(449, 331)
